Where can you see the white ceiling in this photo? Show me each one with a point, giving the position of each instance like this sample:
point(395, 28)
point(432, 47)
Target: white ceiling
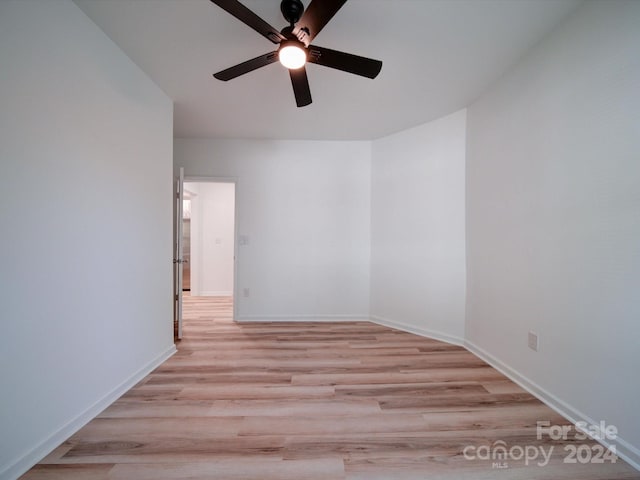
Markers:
point(438, 55)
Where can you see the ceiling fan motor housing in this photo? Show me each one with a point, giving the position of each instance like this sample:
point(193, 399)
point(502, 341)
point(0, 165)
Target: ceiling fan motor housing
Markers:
point(292, 10)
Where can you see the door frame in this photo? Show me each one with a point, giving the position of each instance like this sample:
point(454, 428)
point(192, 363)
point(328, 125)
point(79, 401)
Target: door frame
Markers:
point(234, 181)
point(178, 189)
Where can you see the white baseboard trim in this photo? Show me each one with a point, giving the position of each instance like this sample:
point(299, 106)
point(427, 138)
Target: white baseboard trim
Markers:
point(37, 453)
point(302, 318)
point(423, 332)
point(209, 293)
point(624, 449)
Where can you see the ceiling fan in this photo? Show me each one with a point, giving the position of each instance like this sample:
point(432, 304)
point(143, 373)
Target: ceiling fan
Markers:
point(294, 42)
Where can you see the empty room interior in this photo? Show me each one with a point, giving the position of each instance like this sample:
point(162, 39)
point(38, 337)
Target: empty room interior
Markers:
point(413, 255)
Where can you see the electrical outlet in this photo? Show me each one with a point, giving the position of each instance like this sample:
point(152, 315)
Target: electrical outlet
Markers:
point(245, 292)
point(533, 341)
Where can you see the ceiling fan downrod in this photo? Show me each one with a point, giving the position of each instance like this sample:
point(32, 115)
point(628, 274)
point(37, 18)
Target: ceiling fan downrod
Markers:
point(292, 11)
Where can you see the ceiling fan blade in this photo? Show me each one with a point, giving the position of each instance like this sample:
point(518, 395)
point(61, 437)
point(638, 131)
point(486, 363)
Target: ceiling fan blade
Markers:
point(246, 16)
point(347, 62)
point(315, 17)
point(246, 67)
point(300, 84)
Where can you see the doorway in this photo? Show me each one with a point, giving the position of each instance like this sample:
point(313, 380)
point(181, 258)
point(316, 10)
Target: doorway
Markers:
point(208, 244)
point(186, 240)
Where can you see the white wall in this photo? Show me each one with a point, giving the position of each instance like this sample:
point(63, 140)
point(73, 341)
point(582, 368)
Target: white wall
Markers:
point(417, 229)
point(304, 208)
point(212, 239)
point(85, 212)
point(553, 218)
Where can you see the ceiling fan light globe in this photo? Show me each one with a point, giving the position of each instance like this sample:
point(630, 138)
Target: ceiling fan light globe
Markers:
point(292, 57)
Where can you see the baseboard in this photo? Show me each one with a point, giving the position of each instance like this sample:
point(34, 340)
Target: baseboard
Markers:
point(221, 293)
point(423, 332)
point(624, 449)
point(302, 318)
point(20, 466)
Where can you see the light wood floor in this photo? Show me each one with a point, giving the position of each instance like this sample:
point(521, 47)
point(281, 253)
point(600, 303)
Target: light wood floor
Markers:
point(309, 401)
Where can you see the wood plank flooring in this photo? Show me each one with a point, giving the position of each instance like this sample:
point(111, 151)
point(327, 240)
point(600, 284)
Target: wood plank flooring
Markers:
point(317, 401)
